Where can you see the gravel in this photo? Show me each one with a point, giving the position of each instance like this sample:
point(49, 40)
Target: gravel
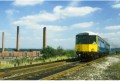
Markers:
point(99, 70)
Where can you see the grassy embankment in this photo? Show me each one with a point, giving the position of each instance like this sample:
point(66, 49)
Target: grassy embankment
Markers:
point(49, 55)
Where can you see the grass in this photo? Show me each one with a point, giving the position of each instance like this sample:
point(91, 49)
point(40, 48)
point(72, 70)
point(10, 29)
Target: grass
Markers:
point(113, 72)
point(6, 65)
point(27, 62)
point(56, 58)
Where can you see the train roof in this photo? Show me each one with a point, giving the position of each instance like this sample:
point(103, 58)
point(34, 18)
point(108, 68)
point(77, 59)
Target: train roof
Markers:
point(87, 33)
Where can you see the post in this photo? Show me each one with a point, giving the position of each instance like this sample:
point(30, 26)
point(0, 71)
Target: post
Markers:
point(2, 42)
point(18, 39)
point(44, 37)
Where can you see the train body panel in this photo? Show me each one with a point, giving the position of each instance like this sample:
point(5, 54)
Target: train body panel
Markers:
point(87, 47)
point(103, 46)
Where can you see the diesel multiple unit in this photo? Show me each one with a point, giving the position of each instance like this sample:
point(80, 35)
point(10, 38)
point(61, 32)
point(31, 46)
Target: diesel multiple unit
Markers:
point(91, 45)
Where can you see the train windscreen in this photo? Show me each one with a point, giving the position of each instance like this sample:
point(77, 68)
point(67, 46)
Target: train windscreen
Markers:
point(85, 39)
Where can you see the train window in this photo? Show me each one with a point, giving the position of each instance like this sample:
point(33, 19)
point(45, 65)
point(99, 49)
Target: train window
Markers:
point(82, 39)
point(92, 39)
point(85, 39)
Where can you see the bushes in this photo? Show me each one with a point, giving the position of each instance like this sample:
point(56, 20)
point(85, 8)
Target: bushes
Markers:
point(60, 51)
point(22, 61)
point(48, 52)
point(51, 52)
point(71, 53)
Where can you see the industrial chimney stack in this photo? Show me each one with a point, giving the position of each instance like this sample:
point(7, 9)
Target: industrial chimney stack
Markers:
point(2, 42)
point(18, 39)
point(44, 37)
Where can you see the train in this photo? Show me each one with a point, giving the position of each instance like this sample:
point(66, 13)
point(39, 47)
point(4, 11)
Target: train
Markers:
point(90, 46)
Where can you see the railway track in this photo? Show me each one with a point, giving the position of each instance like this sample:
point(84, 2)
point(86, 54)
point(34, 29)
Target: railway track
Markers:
point(62, 73)
point(75, 68)
point(49, 71)
point(35, 75)
point(20, 67)
point(29, 69)
point(26, 66)
point(18, 72)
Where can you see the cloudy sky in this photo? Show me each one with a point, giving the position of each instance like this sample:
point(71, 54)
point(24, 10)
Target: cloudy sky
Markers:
point(63, 19)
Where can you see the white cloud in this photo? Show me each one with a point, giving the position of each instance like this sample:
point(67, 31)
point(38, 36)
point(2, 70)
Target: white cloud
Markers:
point(116, 27)
point(117, 1)
point(60, 39)
point(55, 28)
point(83, 25)
point(116, 5)
point(119, 14)
point(34, 21)
point(11, 12)
point(43, 19)
point(36, 26)
point(74, 3)
point(74, 11)
point(112, 38)
point(58, 13)
point(63, 41)
point(27, 2)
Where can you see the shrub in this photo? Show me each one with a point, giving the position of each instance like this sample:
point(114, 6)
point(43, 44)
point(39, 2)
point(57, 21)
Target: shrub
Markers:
point(51, 52)
point(60, 51)
point(70, 53)
point(48, 52)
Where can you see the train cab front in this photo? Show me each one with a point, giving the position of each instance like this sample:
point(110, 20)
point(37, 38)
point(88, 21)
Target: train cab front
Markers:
point(86, 44)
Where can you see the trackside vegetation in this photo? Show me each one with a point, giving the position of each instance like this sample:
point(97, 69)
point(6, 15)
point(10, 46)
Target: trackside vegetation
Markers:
point(50, 54)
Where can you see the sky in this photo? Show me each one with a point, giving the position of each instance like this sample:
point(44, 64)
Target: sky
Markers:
point(63, 20)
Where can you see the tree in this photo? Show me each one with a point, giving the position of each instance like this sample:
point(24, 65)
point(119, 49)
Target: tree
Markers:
point(60, 51)
point(48, 52)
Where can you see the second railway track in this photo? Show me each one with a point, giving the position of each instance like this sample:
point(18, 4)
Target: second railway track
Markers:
point(50, 71)
point(13, 73)
point(44, 72)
